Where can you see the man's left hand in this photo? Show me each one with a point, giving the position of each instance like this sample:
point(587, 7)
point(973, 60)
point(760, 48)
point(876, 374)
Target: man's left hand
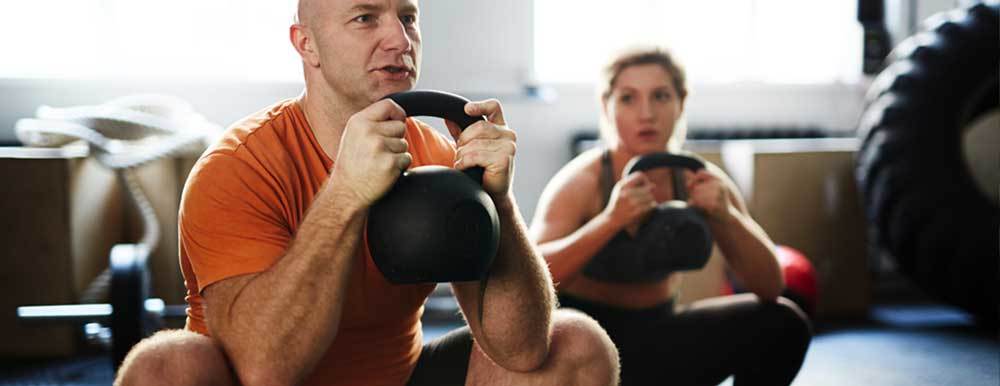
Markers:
point(489, 144)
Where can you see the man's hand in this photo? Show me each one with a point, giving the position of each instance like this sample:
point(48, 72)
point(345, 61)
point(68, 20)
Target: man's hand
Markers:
point(372, 152)
point(489, 144)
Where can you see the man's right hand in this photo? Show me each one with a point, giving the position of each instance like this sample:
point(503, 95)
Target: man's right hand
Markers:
point(372, 153)
point(631, 199)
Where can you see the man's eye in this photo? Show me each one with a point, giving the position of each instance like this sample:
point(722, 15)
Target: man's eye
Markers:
point(409, 19)
point(365, 19)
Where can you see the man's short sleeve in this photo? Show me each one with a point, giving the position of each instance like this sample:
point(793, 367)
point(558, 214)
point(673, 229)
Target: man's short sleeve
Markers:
point(231, 220)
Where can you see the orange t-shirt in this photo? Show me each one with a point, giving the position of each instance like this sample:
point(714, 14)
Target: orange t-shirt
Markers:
point(244, 201)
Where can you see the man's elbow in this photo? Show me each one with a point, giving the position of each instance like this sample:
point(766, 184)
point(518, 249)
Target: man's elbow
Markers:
point(527, 357)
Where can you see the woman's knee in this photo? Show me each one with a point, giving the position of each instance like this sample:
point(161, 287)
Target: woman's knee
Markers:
point(580, 343)
point(177, 357)
point(794, 322)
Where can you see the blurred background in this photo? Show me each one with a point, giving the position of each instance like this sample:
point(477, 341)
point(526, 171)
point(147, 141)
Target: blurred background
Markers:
point(879, 167)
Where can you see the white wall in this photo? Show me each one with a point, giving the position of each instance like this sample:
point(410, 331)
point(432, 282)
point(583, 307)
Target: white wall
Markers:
point(484, 49)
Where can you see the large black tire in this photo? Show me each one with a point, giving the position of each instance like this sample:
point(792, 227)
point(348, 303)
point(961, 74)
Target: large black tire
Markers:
point(922, 203)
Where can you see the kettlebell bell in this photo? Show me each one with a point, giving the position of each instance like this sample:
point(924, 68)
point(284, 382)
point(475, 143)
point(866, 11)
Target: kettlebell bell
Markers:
point(435, 224)
point(676, 237)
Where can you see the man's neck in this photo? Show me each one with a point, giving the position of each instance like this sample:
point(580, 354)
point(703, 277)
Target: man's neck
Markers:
point(327, 117)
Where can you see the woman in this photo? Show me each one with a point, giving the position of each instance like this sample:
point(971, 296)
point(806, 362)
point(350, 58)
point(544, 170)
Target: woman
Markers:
point(757, 337)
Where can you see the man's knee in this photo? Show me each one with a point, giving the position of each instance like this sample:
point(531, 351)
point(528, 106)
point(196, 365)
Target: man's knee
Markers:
point(175, 357)
point(582, 345)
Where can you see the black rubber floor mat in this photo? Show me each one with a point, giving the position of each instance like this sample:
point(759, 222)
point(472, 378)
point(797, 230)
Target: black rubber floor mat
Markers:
point(81, 371)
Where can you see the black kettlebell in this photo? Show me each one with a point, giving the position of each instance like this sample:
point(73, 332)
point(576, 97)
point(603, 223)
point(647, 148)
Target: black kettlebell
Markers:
point(675, 237)
point(436, 224)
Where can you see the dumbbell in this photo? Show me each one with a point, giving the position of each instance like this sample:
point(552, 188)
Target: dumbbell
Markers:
point(132, 315)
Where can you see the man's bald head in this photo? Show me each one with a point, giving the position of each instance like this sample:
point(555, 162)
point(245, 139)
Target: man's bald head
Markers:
point(304, 13)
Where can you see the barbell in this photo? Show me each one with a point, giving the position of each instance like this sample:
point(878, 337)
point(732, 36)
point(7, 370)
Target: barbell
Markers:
point(131, 315)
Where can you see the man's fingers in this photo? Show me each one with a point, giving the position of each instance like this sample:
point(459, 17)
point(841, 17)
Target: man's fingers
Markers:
point(483, 130)
point(403, 160)
point(384, 110)
point(392, 129)
point(396, 145)
point(491, 108)
point(478, 145)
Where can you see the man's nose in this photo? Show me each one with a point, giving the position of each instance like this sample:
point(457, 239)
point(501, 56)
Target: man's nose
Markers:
point(397, 37)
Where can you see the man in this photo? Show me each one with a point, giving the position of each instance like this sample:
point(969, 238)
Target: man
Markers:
point(281, 288)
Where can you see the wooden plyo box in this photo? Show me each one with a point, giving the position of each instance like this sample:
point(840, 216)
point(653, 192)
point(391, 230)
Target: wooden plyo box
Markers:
point(803, 193)
point(62, 214)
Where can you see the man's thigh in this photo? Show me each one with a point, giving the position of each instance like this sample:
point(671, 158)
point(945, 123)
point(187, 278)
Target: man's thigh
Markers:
point(175, 357)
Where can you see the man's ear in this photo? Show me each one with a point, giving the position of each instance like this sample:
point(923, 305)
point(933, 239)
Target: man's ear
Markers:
point(301, 38)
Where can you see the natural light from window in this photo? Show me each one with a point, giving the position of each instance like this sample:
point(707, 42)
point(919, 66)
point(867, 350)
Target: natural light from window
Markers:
point(236, 40)
point(766, 41)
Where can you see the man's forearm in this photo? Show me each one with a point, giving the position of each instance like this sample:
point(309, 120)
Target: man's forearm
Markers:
point(519, 297)
point(280, 322)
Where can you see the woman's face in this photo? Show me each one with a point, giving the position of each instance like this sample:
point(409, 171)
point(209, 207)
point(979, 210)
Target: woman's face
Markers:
point(643, 107)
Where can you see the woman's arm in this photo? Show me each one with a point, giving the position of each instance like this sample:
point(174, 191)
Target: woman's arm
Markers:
point(566, 234)
point(747, 248)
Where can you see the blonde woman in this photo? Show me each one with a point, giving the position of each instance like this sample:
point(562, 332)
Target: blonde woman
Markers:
point(589, 209)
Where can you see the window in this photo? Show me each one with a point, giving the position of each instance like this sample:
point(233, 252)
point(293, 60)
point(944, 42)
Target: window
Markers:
point(237, 40)
point(767, 41)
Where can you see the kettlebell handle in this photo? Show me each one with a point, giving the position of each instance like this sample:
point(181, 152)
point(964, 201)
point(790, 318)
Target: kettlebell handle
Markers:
point(439, 104)
point(665, 160)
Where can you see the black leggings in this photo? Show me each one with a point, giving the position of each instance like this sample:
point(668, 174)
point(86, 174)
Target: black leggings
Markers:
point(703, 344)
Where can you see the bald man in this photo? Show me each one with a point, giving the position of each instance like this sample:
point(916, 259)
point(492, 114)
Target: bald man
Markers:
point(281, 288)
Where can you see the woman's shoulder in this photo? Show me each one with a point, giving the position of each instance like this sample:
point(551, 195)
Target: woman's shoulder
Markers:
point(582, 170)
point(571, 194)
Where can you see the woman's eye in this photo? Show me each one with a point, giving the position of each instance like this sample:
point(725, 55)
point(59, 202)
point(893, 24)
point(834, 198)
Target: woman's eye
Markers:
point(662, 96)
point(625, 98)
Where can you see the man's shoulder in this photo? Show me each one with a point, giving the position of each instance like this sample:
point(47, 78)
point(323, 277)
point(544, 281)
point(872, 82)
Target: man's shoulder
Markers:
point(242, 144)
point(280, 116)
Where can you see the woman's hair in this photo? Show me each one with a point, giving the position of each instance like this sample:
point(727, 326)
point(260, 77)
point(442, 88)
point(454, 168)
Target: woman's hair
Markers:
point(641, 56)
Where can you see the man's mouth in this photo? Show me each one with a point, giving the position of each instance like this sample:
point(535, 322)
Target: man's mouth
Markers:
point(396, 72)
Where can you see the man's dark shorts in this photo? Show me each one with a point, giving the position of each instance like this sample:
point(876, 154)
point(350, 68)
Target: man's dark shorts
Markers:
point(444, 361)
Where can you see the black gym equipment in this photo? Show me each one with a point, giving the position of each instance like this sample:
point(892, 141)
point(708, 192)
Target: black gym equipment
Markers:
point(876, 43)
point(132, 314)
point(436, 224)
point(675, 237)
point(920, 197)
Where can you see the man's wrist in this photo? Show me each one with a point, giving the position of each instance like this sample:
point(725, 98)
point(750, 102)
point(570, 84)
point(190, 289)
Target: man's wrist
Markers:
point(504, 203)
point(345, 200)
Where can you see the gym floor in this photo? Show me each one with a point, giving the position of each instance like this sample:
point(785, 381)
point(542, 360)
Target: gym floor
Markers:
point(908, 339)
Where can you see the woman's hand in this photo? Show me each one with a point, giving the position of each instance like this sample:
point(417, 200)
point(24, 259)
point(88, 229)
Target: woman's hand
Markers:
point(631, 199)
point(707, 192)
